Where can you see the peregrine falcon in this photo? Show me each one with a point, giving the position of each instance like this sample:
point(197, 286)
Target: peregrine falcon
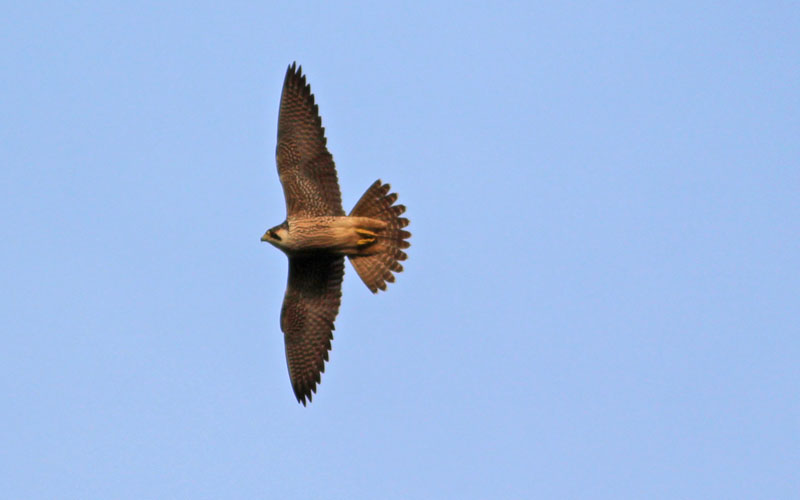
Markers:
point(317, 235)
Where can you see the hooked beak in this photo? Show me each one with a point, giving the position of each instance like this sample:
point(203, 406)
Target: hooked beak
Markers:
point(264, 238)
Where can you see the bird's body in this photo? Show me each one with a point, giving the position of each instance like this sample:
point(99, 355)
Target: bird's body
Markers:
point(317, 235)
point(340, 235)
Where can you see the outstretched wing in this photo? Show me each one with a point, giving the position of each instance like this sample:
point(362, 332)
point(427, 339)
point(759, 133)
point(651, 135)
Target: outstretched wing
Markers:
point(310, 306)
point(305, 166)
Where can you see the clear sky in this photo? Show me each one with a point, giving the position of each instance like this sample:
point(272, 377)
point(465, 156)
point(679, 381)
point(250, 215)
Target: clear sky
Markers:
point(601, 299)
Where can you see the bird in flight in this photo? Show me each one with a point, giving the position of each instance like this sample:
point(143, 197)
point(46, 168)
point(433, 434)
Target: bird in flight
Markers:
point(317, 235)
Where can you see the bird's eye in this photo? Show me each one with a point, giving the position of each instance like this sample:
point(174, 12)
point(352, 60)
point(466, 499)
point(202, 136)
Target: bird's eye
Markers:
point(273, 234)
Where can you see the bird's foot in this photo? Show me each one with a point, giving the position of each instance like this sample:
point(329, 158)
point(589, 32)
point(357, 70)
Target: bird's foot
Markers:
point(367, 237)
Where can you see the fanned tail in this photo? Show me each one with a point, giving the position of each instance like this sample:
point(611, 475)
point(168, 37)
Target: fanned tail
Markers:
point(386, 253)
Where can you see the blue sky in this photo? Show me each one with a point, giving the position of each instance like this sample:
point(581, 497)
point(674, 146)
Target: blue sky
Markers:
point(601, 299)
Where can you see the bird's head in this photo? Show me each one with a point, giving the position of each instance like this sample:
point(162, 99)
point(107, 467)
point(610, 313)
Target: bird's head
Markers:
point(277, 235)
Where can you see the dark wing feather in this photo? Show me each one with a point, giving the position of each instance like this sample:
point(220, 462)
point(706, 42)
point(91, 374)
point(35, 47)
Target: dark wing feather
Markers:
point(305, 166)
point(310, 306)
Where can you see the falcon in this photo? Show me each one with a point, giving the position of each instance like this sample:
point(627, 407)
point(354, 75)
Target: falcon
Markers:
point(317, 235)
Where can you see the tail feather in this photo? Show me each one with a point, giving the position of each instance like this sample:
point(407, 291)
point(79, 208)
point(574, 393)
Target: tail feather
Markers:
point(375, 268)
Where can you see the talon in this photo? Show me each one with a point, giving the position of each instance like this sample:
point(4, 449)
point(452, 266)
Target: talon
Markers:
point(365, 241)
point(367, 233)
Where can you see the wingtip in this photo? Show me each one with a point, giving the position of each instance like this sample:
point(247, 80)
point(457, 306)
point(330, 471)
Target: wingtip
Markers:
point(293, 71)
point(305, 394)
